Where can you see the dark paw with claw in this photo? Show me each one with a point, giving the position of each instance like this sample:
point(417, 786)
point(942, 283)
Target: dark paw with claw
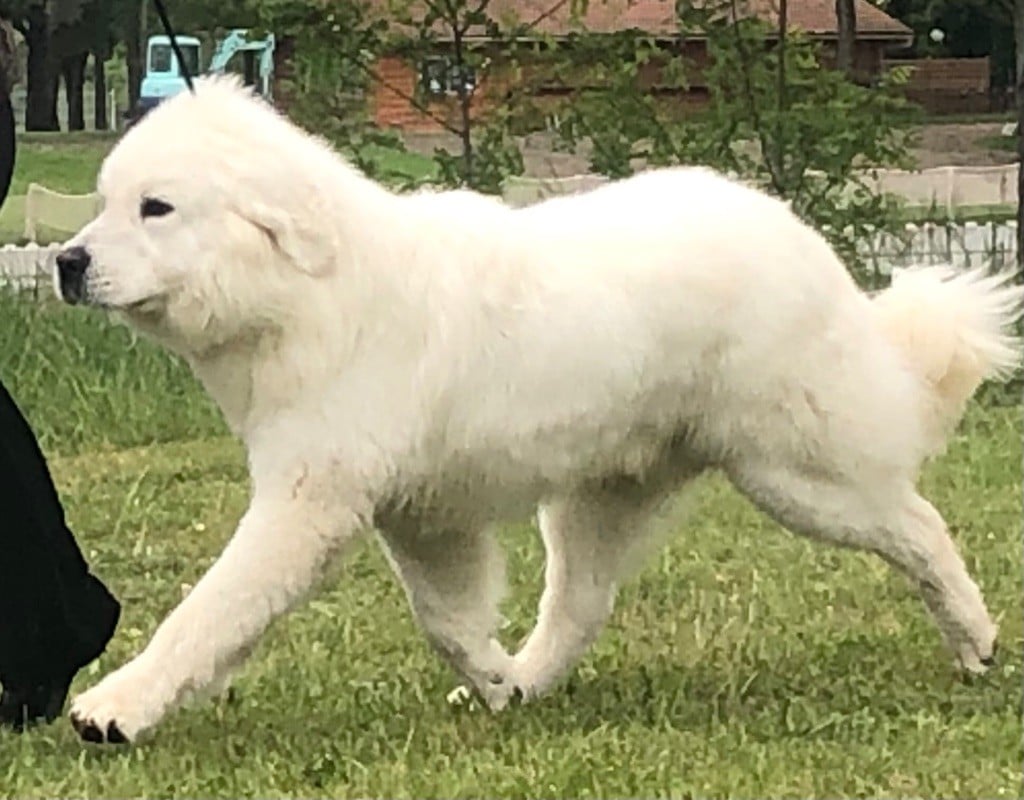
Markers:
point(972, 676)
point(991, 660)
point(90, 732)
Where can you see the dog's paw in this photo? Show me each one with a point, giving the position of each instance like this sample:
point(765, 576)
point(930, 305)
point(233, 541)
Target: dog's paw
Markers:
point(113, 712)
point(975, 663)
point(92, 730)
point(496, 695)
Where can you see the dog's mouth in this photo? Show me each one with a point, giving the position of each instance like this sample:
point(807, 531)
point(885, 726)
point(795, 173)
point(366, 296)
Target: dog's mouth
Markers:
point(79, 282)
point(83, 294)
point(153, 306)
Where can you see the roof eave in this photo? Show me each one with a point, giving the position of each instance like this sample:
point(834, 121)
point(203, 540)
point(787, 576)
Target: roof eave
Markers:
point(891, 37)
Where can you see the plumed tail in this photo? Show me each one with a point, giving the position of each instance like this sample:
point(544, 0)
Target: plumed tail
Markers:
point(956, 329)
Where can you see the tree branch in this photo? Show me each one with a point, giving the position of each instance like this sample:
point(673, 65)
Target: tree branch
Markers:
point(1018, 31)
point(752, 107)
point(550, 12)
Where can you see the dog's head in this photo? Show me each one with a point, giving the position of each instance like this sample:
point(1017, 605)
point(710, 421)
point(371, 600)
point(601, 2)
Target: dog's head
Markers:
point(212, 205)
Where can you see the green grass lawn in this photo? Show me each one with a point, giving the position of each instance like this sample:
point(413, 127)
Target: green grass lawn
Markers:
point(743, 662)
point(64, 162)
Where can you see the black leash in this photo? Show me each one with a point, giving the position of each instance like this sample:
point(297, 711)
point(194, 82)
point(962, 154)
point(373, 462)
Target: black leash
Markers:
point(162, 13)
point(6, 143)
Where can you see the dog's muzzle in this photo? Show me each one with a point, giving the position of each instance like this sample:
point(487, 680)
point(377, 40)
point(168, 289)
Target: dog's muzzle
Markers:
point(71, 266)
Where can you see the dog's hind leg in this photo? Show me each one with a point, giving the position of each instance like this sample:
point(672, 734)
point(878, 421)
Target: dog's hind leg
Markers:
point(454, 581)
point(893, 521)
point(591, 539)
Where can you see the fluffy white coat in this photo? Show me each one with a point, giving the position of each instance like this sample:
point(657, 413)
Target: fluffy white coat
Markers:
point(427, 365)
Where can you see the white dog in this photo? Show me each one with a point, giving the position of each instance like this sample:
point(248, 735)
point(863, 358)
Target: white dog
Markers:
point(428, 365)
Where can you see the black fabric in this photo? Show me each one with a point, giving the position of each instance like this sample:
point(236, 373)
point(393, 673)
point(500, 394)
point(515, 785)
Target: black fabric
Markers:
point(55, 617)
point(6, 144)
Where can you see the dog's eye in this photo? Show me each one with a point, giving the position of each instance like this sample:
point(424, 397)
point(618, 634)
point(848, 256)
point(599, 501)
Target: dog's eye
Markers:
point(152, 207)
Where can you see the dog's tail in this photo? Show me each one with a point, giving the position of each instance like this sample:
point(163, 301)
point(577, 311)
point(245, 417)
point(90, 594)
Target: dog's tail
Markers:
point(956, 329)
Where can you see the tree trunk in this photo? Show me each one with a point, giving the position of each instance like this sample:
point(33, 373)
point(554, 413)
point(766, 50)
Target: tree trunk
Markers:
point(466, 126)
point(781, 75)
point(846, 27)
point(9, 74)
point(135, 55)
point(41, 101)
point(779, 169)
point(73, 71)
point(99, 82)
point(100, 45)
point(1018, 30)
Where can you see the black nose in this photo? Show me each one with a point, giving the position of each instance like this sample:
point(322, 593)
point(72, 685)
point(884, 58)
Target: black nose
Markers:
point(74, 261)
point(71, 266)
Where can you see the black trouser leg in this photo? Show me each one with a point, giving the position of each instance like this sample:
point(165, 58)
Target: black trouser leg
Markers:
point(55, 616)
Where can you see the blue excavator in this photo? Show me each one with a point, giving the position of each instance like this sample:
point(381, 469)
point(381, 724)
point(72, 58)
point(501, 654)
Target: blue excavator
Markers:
point(164, 76)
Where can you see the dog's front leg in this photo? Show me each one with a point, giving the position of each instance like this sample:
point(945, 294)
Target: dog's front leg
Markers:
point(279, 550)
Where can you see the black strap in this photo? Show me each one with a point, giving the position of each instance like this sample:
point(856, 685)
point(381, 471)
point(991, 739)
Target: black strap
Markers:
point(7, 145)
point(162, 13)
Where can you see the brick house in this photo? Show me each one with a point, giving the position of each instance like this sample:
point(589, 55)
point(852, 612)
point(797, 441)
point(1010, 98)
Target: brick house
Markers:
point(431, 83)
point(949, 85)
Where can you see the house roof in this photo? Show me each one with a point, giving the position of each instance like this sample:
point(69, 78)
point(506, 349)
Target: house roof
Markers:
point(819, 17)
point(557, 18)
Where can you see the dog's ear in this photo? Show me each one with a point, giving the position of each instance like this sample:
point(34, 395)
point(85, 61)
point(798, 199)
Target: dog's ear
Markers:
point(311, 249)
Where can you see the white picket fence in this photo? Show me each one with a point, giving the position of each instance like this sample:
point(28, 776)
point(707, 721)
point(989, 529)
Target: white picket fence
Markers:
point(961, 245)
point(27, 267)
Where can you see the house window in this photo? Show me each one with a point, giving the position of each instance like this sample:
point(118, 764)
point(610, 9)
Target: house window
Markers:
point(439, 76)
